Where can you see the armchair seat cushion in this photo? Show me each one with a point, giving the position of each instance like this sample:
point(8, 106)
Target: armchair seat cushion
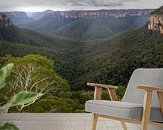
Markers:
point(131, 111)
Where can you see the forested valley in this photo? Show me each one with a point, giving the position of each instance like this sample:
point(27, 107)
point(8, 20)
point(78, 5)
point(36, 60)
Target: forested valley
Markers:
point(61, 66)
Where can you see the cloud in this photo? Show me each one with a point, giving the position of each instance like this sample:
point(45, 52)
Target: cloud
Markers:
point(64, 2)
point(129, 0)
point(95, 3)
point(77, 4)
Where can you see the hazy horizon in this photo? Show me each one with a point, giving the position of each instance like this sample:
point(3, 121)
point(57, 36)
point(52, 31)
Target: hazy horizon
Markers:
point(70, 10)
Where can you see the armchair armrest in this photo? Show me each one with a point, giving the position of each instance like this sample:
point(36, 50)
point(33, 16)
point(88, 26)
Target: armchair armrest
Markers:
point(148, 88)
point(148, 100)
point(98, 91)
point(102, 85)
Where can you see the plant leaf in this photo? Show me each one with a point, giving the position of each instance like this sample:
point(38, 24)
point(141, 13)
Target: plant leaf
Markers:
point(8, 126)
point(24, 98)
point(5, 108)
point(4, 72)
point(21, 99)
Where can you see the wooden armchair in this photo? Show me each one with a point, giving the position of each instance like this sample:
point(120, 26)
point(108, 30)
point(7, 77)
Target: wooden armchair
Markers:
point(138, 107)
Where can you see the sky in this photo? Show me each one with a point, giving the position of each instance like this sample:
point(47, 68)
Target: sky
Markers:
point(41, 5)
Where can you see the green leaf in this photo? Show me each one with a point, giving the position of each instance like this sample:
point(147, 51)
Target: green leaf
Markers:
point(24, 98)
point(8, 126)
point(4, 72)
point(21, 99)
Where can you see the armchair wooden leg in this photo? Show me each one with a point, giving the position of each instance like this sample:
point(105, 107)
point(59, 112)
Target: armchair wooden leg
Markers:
point(124, 125)
point(94, 121)
point(144, 126)
point(146, 110)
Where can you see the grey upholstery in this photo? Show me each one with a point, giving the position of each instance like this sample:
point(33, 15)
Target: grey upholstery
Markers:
point(146, 77)
point(132, 103)
point(124, 110)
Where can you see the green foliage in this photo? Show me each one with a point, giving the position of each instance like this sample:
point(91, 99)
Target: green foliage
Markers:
point(110, 61)
point(22, 99)
point(38, 69)
point(113, 61)
point(4, 72)
point(34, 73)
point(120, 91)
point(27, 37)
point(8, 126)
point(19, 50)
point(41, 60)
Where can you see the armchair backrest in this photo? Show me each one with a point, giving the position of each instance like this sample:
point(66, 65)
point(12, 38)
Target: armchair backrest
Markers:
point(143, 77)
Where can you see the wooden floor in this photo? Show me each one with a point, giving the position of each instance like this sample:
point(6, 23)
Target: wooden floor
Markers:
point(57, 121)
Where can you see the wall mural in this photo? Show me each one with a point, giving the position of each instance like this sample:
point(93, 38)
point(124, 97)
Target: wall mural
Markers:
point(59, 46)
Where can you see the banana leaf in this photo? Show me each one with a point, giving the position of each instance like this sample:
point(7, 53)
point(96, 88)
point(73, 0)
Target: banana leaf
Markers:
point(22, 99)
point(4, 72)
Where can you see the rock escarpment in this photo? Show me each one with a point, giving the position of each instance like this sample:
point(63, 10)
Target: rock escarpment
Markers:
point(155, 22)
point(4, 21)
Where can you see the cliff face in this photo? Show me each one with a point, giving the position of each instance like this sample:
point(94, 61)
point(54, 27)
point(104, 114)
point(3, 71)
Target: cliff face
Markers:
point(4, 21)
point(93, 14)
point(155, 22)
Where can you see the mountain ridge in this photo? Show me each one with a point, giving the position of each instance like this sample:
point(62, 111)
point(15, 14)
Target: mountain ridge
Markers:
point(78, 24)
point(77, 28)
point(19, 35)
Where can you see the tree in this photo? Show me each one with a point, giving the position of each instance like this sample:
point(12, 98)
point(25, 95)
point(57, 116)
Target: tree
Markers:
point(33, 73)
point(22, 99)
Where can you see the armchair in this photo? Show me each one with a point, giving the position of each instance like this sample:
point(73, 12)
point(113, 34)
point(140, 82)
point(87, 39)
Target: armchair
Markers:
point(137, 106)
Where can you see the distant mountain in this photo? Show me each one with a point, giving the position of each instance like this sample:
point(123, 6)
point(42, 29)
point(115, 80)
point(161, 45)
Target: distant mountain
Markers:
point(18, 18)
point(135, 21)
point(47, 24)
point(11, 33)
point(158, 11)
point(84, 28)
point(75, 29)
point(86, 25)
point(92, 14)
point(38, 15)
point(88, 29)
point(14, 34)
